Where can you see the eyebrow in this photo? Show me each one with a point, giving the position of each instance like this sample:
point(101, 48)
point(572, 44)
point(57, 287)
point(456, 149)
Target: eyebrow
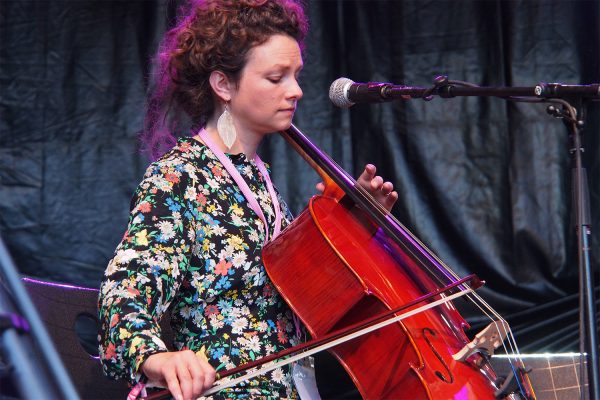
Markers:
point(286, 66)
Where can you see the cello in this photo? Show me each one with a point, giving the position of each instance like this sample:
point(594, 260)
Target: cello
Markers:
point(360, 261)
point(346, 260)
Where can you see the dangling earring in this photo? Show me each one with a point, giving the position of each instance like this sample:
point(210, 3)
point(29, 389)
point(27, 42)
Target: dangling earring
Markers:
point(226, 128)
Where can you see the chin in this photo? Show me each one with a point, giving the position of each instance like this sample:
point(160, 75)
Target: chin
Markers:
point(276, 124)
point(287, 124)
point(280, 127)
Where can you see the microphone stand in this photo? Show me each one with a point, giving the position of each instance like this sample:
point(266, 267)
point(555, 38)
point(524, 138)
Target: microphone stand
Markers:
point(581, 200)
point(543, 93)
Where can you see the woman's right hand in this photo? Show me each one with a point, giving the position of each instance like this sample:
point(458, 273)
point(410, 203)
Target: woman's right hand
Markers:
point(184, 373)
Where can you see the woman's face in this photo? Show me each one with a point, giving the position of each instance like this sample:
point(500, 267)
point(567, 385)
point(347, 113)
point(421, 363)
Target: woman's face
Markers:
point(266, 96)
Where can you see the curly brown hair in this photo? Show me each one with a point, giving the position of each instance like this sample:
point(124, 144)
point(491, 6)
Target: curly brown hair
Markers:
point(213, 35)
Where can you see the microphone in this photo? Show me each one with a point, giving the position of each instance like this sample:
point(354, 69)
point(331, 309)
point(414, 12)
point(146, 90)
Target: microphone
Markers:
point(344, 92)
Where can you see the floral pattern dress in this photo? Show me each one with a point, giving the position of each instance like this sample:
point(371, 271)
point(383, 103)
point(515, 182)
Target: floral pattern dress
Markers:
point(193, 248)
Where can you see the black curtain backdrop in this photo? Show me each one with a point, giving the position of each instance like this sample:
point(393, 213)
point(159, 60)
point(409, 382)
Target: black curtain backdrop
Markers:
point(482, 181)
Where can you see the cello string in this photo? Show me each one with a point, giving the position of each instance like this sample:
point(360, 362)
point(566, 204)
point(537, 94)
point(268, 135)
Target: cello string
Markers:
point(514, 357)
point(506, 326)
point(503, 327)
point(483, 306)
point(327, 167)
point(480, 303)
point(430, 253)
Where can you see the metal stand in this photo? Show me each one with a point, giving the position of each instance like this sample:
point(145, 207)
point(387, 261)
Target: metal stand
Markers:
point(588, 344)
point(581, 205)
point(35, 367)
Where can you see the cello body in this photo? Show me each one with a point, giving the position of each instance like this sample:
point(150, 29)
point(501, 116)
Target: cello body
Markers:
point(345, 270)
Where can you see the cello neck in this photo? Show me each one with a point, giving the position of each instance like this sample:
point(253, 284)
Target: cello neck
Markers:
point(330, 172)
point(327, 169)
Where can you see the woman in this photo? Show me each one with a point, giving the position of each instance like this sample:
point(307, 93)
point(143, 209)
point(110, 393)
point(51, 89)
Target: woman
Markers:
point(200, 218)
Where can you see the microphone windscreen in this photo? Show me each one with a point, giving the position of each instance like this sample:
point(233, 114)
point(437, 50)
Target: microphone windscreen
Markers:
point(338, 92)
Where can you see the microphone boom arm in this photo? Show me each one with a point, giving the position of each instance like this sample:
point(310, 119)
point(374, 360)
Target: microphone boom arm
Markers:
point(345, 93)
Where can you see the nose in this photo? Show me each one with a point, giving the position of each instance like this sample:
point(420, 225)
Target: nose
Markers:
point(295, 91)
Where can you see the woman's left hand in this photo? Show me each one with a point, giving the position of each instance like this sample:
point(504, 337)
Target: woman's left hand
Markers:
point(381, 191)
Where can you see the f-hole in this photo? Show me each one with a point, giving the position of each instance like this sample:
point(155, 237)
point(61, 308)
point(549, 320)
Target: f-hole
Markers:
point(450, 378)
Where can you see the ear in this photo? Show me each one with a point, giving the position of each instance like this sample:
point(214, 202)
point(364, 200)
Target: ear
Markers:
point(221, 85)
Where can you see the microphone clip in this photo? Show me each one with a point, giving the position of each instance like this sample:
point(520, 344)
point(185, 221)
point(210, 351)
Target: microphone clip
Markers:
point(372, 92)
point(439, 82)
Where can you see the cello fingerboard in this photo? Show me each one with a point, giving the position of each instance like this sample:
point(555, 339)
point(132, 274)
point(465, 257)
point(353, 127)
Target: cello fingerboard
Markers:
point(553, 376)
